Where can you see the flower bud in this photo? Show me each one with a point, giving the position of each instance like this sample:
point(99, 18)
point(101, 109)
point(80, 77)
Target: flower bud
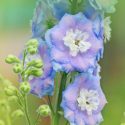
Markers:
point(32, 49)
point(12, 59)
point(35, 72)
point(11, 90)
point(18, 113)
point(4, 105)
point(32, 42)
point(25, 87)
point(36, 63)
point(44, 110)
point(17, 68)
point(13, 99)
point(32, 46)
point(2, 122)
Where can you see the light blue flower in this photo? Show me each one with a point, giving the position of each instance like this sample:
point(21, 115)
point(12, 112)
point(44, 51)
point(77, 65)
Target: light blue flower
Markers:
point(43, 17)
point(83, 100)
point(107, 6)
point(43, 85)
point(73, 44)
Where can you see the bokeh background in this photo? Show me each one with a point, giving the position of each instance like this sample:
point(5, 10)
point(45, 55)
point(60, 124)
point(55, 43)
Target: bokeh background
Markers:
point(15, 16)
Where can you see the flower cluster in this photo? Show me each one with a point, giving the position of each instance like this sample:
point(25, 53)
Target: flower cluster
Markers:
point(74, 32)
point(71, 36)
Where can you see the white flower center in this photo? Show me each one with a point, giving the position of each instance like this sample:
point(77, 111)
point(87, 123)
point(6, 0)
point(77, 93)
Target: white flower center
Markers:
point(88, 100)
point(77, 42)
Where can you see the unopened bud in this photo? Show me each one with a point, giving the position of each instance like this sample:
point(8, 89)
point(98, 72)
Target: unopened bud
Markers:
point(36, 63)
point(11, 90)
point(17, 114)
point(44, 110)
point(32, 42)
point(4, 105)
point(12, 59)
point(25, 87)
point(12, 99)
point(17, 68)
point(34, 72)
point(32, 46)
point(32, 49)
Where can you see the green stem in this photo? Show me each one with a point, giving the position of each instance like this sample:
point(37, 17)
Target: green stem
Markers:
point(56, 117)
point(62, 87)
point(23, 63)
point(24, 57)
point(73, 6)
point(25, 96)
point(67, 123)
point(57, 81)
point(38, 116)
point(50, 105)
point(26, 110)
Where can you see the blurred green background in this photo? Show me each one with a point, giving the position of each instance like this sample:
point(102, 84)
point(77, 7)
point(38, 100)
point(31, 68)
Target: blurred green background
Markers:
point(15, 16)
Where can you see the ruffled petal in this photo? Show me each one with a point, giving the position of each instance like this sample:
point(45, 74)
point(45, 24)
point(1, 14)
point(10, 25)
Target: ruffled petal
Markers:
point(60, 53)
point(70, 106)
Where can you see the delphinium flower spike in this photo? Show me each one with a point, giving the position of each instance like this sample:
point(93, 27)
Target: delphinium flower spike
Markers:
point(62, 59)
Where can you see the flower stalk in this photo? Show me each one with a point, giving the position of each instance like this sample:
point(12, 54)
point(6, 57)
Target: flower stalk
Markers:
point(56, 117)
point(70, 49)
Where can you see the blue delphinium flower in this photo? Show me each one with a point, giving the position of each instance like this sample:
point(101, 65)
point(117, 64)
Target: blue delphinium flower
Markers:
point(43, 85)
point(43, 19)
point(73, 44)
point(83, 100)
